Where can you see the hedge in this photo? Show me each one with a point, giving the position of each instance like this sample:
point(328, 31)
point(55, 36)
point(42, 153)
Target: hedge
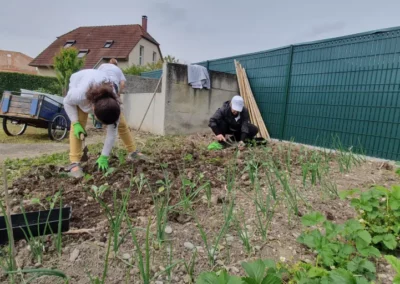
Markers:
point(16, 81)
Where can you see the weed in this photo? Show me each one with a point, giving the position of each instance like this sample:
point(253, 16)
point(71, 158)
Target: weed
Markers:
point(140, 182)
point(99, 191)
point(189, 266)
point(8, 263)
point(240, 223)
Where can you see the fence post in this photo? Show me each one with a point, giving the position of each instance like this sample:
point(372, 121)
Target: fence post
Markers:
point(287, 91)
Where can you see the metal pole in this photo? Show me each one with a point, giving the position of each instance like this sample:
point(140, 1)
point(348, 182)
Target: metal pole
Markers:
point(155, 92)
point(287, 91)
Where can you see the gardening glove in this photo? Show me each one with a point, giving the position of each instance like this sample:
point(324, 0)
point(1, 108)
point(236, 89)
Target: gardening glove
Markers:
point(102, 162)
point(78, 130)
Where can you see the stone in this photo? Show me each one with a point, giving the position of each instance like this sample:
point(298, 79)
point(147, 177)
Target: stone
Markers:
point(90, 199)
point(159, 282)
point(230, 239)
point(234, 270)
point(168, 230)
point(382, 276)
point(187, 278)
point(188, 245)
point(126, 256)
point(74, 255)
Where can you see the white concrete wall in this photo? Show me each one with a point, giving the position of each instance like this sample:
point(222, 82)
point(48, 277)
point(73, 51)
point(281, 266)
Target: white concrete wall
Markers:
point(149, 48)
point(135, 106)
point(44, 71)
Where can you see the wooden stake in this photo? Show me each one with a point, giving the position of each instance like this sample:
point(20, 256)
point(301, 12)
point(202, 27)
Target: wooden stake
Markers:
point(8, 212)
point(249, 100)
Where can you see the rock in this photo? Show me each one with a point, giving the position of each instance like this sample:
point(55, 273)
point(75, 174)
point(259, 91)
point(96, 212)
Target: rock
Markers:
point(74, 255)
point(234, 269)
point(159, 282)
point(38, 265)
point(188, 245)
point(214, 200)
point(90, 199)
point(230, 239)
point(187, 278)
point(245, 177)
point(168, 230)
point(382, 276)
point(126, 256)
point(257, 248)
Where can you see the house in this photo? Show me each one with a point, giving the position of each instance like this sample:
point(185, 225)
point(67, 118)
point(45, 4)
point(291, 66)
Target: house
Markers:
point(129, 44)
point(13, 61)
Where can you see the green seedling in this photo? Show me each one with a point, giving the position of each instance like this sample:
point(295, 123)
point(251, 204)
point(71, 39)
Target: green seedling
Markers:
point(99, 191)
point(239, 221)
point(189, 266)
point(140, 182)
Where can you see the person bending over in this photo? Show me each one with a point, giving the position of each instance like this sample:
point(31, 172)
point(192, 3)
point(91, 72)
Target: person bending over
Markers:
point(90, 91)
point(233, 119)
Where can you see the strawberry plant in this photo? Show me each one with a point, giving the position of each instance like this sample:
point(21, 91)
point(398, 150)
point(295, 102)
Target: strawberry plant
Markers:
point(379, 210)
point(344, 246)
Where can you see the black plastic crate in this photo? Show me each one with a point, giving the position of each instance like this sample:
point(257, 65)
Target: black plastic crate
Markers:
point(36, 223)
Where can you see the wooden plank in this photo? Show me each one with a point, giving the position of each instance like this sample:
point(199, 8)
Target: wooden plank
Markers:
point(25, 105)
point(17, 110)
point(20, 99)
point(262, 127)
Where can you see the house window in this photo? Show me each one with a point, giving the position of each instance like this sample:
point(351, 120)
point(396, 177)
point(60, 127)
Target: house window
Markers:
point(82, 53)
point(69, 43)
point(141, 56)
point(108, 43)
point(154, 57)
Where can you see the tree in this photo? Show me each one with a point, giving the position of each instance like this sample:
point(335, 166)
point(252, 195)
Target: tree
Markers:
point(66, 62)
point(139, 69)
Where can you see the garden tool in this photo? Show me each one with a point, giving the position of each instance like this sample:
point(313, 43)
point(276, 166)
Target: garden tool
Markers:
point(85, 156)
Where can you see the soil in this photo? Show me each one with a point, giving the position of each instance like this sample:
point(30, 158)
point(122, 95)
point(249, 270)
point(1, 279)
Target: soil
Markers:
point(190, 158)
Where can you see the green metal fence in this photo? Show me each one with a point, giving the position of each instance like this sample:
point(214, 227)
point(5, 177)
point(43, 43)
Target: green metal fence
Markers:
point(345, 87)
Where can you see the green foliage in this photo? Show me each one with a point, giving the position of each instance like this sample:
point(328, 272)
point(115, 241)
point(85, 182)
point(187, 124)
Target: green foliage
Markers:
point(16, 81)
point(66, 62)
point(379, 210)
point(139, 69)
point(395, 263)
point(345, 246)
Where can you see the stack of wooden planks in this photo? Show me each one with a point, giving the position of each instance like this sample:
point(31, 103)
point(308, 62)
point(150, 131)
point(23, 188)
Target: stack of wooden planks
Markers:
point(249, 101)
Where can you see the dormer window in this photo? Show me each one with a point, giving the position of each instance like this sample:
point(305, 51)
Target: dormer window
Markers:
point(82, 53)
point(69, 43)
point(108, 43)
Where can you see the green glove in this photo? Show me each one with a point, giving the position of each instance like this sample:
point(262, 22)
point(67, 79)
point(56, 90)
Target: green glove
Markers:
point(102, 162)
point(78, 129)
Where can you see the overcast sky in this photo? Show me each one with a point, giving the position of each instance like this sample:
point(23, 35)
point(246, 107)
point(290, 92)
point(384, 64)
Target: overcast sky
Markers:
point(196, 30)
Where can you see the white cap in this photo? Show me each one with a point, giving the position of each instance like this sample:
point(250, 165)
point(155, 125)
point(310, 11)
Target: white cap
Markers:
point(237, 103)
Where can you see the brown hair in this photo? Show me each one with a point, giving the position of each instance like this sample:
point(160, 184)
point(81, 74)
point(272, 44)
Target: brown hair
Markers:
point(114, 61)
point(106, 104)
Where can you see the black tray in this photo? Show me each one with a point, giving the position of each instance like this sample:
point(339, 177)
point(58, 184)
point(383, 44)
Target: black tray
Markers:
point(36, 223)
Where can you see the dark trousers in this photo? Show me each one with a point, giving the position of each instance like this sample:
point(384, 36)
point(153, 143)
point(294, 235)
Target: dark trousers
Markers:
point(253, 130)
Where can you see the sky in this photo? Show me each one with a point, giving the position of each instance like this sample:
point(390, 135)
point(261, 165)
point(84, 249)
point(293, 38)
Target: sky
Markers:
point(194, 31)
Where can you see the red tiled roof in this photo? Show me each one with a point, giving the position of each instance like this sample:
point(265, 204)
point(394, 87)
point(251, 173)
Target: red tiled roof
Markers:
point(14, 61)
point(125, 38)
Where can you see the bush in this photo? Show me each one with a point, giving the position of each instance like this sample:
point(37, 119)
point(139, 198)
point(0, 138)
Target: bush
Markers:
point(15, 81)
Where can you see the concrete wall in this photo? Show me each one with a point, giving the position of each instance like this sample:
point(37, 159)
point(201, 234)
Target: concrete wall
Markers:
point(45, 71)
point(149, 48)
point(188, 110)
point(136, 99)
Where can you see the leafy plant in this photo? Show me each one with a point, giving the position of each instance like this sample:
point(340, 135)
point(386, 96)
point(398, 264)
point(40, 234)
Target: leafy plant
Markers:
point(345, 246)
point(99, 191)
point(221, 278)
point(395, 263)
point(66, 62)
point(379, 210)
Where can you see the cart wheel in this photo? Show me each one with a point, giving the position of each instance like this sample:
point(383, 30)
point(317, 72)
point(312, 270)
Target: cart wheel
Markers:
point(13, 127)
point(58, 127)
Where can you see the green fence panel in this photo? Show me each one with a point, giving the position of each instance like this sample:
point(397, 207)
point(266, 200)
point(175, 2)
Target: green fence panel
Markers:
point(348, 88)
point(267, 73)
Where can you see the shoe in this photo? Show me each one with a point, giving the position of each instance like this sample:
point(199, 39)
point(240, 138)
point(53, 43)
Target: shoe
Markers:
point(75, 170)
point(137, 156)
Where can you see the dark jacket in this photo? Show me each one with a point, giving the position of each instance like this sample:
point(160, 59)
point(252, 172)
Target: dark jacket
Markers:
point(224, 116)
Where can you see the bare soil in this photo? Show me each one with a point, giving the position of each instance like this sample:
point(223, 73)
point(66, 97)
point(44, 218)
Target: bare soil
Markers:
point(188, 157)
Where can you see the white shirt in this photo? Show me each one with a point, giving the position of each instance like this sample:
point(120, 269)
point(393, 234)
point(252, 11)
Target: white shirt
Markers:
point(114, 73)
point(80, 82)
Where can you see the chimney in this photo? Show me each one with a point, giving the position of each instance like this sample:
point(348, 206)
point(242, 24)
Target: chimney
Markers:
point(144, 23)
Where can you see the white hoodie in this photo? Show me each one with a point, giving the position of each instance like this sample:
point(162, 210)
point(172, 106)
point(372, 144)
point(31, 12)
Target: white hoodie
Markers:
point(80, 82)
